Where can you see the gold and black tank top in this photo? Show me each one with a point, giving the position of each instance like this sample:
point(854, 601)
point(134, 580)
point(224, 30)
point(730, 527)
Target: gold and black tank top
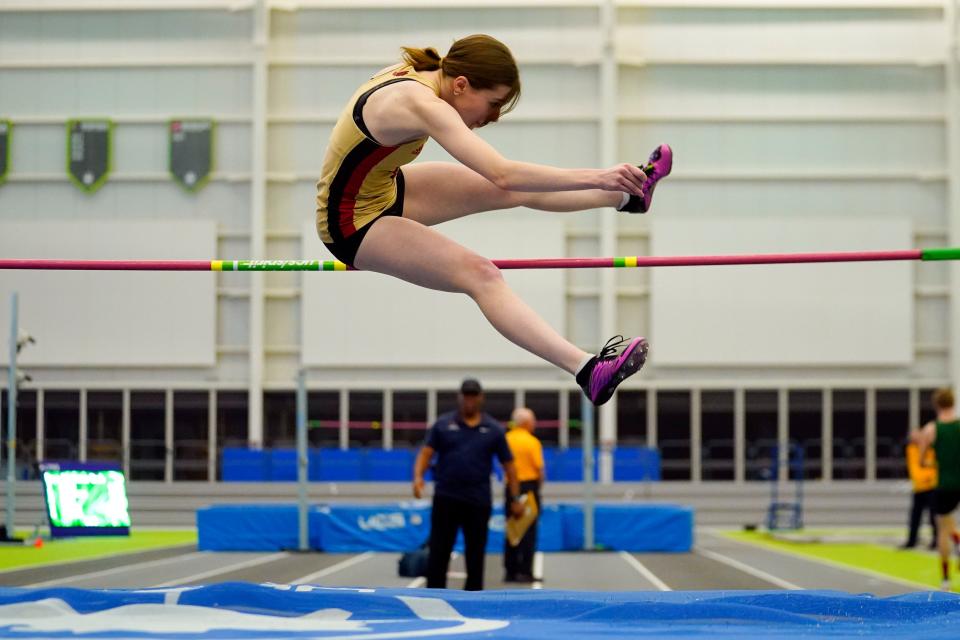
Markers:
point(358, 179)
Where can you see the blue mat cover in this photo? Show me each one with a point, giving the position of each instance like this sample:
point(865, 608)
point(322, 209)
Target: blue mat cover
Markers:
point(242, 610)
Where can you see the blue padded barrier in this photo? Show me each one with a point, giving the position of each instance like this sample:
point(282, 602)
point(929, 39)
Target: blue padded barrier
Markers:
point(635, 464)
point(283, 465)
point(256, 527)
point(566, 465)
point(642, 527)
point(550, 528)
point(630, 464)
point(353, 528)
point(390, 466)
point(247, 527)
point(244, 465)
point(339, 465)
point(404, 526)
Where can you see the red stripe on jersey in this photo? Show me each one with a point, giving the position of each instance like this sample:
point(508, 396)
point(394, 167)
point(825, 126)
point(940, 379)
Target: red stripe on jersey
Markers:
point(348, 201)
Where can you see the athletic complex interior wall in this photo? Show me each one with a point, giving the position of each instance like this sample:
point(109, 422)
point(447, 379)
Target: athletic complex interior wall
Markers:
point(796, 127)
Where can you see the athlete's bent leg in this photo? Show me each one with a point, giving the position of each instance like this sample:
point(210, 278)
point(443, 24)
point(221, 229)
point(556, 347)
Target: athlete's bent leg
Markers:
point(408, 250)
point(413, 252)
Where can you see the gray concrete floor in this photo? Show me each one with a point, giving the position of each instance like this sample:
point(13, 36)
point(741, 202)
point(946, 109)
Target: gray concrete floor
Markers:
point(716, 563)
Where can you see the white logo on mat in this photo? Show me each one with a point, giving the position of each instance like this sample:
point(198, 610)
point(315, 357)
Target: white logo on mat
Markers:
point(54, 616)
point(382, 521)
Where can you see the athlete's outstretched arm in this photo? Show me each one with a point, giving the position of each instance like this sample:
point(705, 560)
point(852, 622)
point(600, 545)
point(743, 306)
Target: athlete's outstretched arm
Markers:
point(442, 123)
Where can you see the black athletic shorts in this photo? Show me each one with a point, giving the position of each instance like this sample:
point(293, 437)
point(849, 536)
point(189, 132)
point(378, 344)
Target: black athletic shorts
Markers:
point(346, 249)
point(945, 501)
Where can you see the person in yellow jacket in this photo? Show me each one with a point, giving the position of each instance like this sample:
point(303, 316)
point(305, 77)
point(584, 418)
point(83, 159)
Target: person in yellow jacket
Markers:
point(528, 458)
point(923, 476)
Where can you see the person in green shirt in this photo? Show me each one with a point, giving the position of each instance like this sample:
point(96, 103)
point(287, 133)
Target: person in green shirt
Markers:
point(943, 435)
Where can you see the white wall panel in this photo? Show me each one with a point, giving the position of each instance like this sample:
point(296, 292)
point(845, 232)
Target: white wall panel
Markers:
point(86, 318)
point(911, 148)
point(366, 319)
point(782, 90)
point(923, 201)
point(132, 34)
point(149, 91)
point(316, 90)
point(297, 147)
point(565, 32)
point(554, 91)
point(562, 144)
point(289, 204)
point(763, 34)
point(815, 314)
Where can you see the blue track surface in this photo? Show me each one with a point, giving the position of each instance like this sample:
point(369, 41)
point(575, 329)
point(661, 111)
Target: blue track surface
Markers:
point(243, 610)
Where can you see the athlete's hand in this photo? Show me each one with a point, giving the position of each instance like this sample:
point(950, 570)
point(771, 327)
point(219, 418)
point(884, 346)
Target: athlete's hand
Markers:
point(517, 509)
point(418, 488)
point(623, 177)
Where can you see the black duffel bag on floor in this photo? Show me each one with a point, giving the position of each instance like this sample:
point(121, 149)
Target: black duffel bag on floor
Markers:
point(413, 564)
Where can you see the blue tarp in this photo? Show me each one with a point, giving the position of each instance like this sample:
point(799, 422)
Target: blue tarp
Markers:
point(405, 525)
point(242, 610)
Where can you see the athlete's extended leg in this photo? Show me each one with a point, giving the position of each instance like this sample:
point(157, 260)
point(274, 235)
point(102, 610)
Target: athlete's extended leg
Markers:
point(413, 252)
point(439, 191)
point(408, 250)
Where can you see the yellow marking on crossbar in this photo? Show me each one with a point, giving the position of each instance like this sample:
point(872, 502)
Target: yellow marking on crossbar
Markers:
point(216, 265)
point(630, 261)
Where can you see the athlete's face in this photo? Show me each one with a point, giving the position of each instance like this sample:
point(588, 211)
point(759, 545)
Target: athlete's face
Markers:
point(478, 107)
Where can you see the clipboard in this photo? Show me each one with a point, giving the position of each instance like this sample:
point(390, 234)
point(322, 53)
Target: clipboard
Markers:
point(517, 526)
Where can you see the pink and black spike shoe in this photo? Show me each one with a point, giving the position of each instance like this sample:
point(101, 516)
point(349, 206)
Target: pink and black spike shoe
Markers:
point(614, 364)
point(657, 168)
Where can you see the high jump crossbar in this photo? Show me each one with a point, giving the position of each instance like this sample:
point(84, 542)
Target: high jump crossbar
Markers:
point(950, 253)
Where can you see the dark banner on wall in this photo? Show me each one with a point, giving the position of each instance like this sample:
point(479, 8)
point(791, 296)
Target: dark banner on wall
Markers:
point(5, 128)
point(191, 152)
point(89, 152)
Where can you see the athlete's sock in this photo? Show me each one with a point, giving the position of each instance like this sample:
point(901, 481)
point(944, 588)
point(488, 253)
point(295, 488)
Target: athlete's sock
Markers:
point(583, 363)
point(945, 570)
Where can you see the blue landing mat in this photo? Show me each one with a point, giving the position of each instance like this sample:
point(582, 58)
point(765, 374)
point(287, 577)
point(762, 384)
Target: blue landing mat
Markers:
point(242, 610)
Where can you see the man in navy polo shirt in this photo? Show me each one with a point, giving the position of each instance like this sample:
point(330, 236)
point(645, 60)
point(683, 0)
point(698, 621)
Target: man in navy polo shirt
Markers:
point(464, 442)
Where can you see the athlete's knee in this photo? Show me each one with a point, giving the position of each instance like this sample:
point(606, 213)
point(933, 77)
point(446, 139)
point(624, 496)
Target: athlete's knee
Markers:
point(480, 274)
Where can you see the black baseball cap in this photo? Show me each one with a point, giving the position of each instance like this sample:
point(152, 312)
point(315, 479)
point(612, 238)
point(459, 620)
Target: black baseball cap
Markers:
point(470, 386)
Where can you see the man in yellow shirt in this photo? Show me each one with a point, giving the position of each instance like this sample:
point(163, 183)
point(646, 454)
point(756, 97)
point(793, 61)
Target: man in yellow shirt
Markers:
point(923, 475)
point(528, 459)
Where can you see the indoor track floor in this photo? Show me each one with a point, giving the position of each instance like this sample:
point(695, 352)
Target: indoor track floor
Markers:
point(716, 563)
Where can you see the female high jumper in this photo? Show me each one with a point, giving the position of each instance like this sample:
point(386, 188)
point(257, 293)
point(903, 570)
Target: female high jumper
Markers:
point(376, 217)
